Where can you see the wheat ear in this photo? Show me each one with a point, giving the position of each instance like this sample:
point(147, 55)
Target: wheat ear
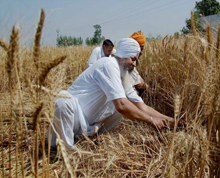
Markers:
point(12, 52)
point(209, 34)
point(4, 45)
point(2, 145)
point(49, 66)
point(193, 24)
point(36, 115)
point(37, 39)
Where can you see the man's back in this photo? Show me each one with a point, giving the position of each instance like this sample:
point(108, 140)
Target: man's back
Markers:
point(96, 86)
point(97, 53)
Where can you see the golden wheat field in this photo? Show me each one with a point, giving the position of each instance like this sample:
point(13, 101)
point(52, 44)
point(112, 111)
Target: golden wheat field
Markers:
point(184, 78)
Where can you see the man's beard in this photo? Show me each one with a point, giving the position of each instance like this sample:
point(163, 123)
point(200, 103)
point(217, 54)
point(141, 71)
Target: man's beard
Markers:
point(126, 76)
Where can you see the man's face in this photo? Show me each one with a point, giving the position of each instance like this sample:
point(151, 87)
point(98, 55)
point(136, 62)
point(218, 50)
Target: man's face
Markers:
point(107, 50)
point(126, 67)
point(130, 63)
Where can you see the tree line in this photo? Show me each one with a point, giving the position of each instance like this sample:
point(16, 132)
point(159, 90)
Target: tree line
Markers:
point(202, 8)
point(64, 41)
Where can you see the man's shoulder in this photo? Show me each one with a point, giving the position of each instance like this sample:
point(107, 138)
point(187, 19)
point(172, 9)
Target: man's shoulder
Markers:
point(106, 62)
point(110, 62)
point(97, 49)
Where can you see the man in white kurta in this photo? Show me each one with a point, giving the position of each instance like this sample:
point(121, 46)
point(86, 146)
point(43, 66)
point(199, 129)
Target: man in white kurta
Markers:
point(98, 98)
point(101, 51)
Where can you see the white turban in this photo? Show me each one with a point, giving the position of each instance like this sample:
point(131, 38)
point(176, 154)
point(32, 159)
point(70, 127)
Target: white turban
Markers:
point(127, 47)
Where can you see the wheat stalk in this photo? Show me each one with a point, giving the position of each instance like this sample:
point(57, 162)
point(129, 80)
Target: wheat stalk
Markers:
point(207, 75)
point(2, 147)
point(186, 50)
point(218, 46)
point(11, 54)
point(35, 128)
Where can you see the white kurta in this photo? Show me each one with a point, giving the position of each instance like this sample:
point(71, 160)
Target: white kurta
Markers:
point(97, 54)
point(91, 103)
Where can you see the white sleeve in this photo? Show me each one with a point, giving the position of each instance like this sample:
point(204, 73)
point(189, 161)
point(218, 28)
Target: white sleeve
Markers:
point(109, 80)
point(133, 96)
point(93, 57)
point(136, 77)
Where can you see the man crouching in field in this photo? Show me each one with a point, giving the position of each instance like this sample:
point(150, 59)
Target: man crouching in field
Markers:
point(101, 95)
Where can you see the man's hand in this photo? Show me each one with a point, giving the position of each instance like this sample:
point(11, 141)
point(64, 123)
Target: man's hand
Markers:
point(171, 123)
point(140, 86)
point(158, 123)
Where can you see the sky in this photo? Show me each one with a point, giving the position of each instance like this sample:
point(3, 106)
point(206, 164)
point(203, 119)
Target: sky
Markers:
point(76, 18)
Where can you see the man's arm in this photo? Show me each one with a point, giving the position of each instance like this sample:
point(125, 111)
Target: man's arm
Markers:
point(141, 86)
point(155, 114)
point(130, 111)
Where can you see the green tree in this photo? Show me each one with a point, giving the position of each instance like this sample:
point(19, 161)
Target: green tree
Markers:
point(150, 37)
point(64, 41)
point(89, 41)
point(97, 37)
point(204, 7)
point(176, 34)
point(207, 7)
